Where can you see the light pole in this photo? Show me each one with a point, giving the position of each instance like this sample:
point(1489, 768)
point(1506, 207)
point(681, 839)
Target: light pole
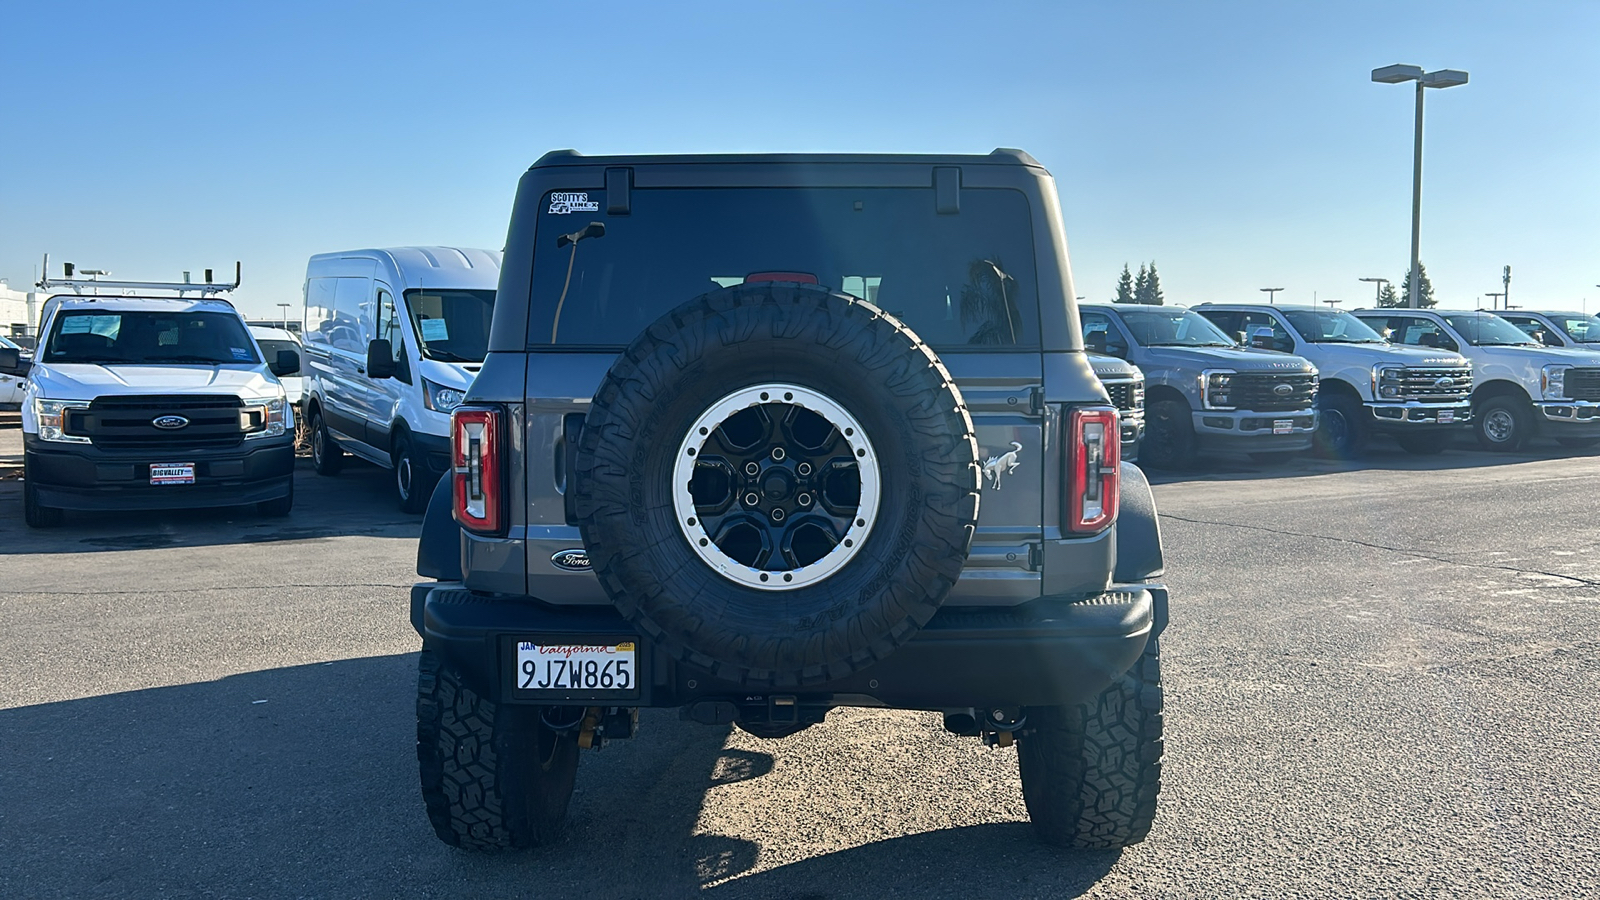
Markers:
point(1271, 293)
point(285, 308)
point(1505, 282)
point(1494, 299)
point(1377, 288)
point(1442, 78)
point(1332, 303)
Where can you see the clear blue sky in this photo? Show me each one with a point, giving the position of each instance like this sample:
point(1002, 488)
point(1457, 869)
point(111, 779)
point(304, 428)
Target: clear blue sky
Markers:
point(1238, 145)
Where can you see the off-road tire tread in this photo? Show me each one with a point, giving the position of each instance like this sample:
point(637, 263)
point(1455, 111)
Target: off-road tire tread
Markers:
point(479, 767)
point(1091, 772)
point(652, 371)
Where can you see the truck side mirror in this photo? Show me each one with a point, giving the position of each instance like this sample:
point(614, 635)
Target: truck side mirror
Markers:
point(1095, 342)
point(380, 359)
point(12, 363)
point(287, 363)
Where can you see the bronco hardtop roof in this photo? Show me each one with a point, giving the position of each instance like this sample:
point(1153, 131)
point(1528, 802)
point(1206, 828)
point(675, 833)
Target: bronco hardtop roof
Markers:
point(1002, 156)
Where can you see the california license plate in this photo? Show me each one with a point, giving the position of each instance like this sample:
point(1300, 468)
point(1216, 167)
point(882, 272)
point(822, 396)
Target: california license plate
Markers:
point(589, 668)
point(1283, 426)
point(1446, 415)
point(172, 473)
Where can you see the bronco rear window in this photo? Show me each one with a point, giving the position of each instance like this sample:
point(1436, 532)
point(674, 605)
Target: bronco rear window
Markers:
point(964, 279)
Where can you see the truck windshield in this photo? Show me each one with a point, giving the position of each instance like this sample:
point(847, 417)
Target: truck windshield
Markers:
point(961, 279)
point(1331, 327)
point(1485, 330)
point(1583, 329)
point(149, 338)
point(1164, 327)
point(452, 325)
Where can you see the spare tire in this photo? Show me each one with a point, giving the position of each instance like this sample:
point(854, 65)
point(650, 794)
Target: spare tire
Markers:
point(777, 484)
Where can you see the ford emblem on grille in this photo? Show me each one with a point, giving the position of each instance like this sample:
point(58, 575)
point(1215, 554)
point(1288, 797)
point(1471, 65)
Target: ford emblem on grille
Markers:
point(169, 422)
point(571, 560)
point(1283, 390)
point(1444, 382)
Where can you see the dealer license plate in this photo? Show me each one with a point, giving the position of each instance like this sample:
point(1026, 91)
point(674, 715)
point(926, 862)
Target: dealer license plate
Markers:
point(1283, 426)
point(1446, 415)
point(577, 667)
point(172, 473)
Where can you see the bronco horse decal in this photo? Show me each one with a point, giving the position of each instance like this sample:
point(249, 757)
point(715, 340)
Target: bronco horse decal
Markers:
point(1004, 464)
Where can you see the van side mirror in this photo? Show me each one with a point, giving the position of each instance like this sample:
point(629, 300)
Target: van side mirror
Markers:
point(12, 363)
point(287, 363)
point(380, 359)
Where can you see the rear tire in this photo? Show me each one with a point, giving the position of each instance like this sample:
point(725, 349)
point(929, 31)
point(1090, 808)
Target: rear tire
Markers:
point(494, 776)
point(1169, 440)
point(325, 453)
point(278, 508)
point(1424, 444)
point(1341, 427)
point(36, 514)
point(1503, 423)
point(411, 482)
point(1091, 773)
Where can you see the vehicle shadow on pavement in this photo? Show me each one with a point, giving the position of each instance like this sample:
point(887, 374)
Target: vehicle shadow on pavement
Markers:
point(1380, 457)
point(302, 781)
point(360, 501)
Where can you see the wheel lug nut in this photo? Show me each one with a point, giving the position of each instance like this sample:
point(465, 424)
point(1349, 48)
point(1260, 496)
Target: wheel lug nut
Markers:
point(751, 499)
point(804, 499)
point(803, 468)
point(752, 468)
point(777, 515)
point(777, 454)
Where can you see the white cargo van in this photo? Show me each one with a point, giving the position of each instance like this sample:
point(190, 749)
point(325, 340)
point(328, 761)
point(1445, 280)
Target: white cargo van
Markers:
point(392, 340)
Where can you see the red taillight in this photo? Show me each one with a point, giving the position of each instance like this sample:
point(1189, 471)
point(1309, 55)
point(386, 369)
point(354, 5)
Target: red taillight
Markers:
point(475, 451)
point(1094, 439)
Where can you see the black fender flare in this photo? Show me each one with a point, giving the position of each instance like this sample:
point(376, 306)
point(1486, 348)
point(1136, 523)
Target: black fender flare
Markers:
point(1139, 556)
point(439, 548)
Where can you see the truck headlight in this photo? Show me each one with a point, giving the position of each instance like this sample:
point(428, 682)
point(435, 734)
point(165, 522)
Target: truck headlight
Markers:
point(1216, 388)
point(1386, 382)
point(270, 419)
point(439, 398)
point(1138, 393)
point(1554, 382)
point(52, 418)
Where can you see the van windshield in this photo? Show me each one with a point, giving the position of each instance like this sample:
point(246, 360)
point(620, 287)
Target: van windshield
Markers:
point(149, 338)
point(451, 325)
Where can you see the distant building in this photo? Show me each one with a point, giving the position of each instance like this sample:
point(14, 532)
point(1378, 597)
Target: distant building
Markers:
point(19, 312)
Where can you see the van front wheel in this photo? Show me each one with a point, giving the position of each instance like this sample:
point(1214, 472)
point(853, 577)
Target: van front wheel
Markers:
point(325, 453)
point(410, 477)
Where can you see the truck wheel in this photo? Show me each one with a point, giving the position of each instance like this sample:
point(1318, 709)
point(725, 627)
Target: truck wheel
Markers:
point(36, 514)
point(1091, 773)
point(278, 508)
point(325, 453)
point(494, 776)
point(1341, 428)
point(1430, 444)
point(410, 477)
point(777, 484)
point(1169, 441)
point(1502, 423)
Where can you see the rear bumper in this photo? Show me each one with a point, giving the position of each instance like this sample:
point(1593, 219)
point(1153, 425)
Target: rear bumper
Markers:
point(1052, 651)
point(84, 477)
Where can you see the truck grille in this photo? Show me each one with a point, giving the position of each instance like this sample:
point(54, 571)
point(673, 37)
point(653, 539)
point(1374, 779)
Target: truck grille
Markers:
point(1259, 391)
point(1436, 385)
point(1121, 393)
point(1583, 384)
point(127, 423)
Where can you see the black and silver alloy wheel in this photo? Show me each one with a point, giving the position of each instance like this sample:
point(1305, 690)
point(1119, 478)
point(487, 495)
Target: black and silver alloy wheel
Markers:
point(776, 486)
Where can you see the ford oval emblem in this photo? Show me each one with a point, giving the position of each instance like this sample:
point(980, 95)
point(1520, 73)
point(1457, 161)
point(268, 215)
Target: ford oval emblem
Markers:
point(1283, 390)
point(571, 560)
point(1444, 382)
point(169, 422)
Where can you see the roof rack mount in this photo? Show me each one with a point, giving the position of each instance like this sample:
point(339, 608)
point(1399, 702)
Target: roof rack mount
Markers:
point(71, 280)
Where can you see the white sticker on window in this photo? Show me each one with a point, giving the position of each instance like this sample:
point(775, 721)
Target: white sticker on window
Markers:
point(240, 353)
point(563, 203)
point(435, 330)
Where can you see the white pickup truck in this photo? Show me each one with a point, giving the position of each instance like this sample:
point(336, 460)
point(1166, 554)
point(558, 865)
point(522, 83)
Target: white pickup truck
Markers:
point(1422, 397)
point(1521, 387)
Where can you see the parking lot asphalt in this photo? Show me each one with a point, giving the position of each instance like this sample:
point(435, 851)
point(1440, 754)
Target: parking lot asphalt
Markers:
point(1382, 680)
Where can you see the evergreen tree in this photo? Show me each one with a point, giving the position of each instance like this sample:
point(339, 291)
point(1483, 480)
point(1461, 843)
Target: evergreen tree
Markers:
point(1124, 286)
point(1387, 298)
point(1141, 285)
point(1424, 294)
point(1153, 295)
